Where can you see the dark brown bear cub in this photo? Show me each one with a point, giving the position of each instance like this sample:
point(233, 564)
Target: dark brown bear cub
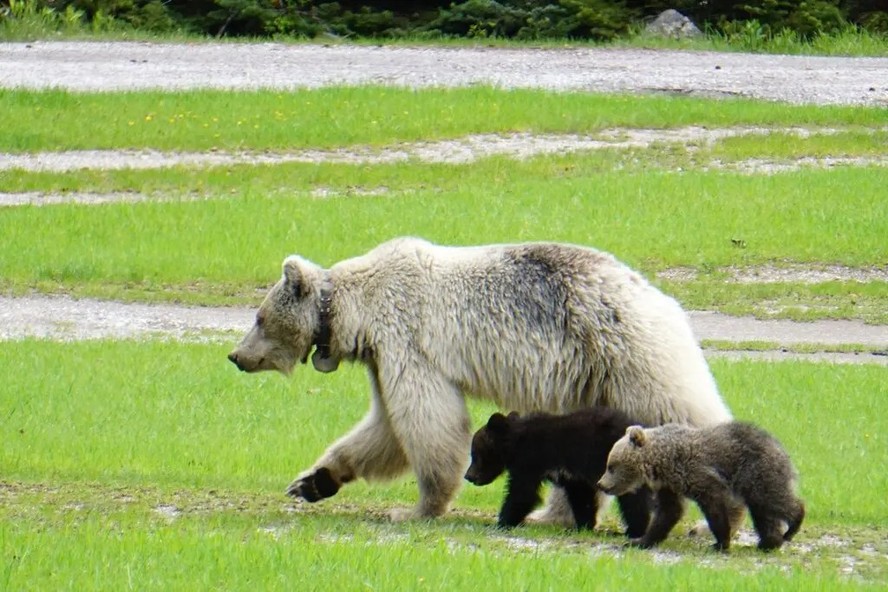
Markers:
point(725, 469)
point(567, 450)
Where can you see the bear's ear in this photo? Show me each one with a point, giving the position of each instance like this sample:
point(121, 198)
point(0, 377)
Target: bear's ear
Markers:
point(636, 435)
point(498, 423)
point(294, 276)
point(513, 416)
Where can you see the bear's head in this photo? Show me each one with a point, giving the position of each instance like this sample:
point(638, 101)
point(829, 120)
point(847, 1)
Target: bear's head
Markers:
point(287, 322)
point(625, 463)
point(491, 449)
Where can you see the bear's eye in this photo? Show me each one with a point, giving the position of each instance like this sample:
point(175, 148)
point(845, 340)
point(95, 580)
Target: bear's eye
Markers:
point(260, 320)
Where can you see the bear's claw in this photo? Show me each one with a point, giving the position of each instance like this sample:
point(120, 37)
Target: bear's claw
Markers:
point(315, 486)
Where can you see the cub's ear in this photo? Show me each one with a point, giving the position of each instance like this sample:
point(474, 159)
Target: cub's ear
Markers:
point(294, 275)
point(636, 435)
point(513, 416)
point(498, 423)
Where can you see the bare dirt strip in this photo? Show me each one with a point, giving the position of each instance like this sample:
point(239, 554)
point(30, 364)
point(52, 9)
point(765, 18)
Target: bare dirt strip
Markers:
point(68, 319)
point(455, 151)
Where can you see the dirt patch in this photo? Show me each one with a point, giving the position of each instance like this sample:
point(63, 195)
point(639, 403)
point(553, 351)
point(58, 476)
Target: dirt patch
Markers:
point(456, 151)
point(96, 199)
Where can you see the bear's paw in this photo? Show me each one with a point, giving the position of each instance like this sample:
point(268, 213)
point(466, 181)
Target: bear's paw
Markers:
point(314, 486)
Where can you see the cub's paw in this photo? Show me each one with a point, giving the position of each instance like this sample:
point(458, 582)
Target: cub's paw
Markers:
point(314, 486)
point(639, 543)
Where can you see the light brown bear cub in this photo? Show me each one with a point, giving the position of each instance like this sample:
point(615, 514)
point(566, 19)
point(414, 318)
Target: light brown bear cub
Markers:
point(724, 469)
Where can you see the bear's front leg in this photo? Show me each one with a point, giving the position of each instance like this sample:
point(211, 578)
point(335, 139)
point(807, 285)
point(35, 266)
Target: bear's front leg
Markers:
point(635, 508)
point(428, 416)
point(522, 496)
point(370, 450)
point(670, 508)
point(583, 498)
point(314, 485)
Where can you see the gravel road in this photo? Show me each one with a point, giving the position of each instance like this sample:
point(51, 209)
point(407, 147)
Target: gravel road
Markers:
point(129, 66)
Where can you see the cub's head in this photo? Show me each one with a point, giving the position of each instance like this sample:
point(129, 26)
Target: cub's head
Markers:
point(491, 449)
point(286, 322)
point(625, 463)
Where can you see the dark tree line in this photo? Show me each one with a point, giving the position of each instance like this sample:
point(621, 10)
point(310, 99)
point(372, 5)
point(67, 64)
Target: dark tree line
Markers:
point(513, 19)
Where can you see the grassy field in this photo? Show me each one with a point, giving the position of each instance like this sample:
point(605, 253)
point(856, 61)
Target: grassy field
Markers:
point(334, 117)
point(156, 465)
point(671, 204)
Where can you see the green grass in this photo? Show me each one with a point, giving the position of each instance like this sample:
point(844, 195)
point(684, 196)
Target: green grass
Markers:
point(655, 208)
point(781, 145)
point(651, 221)
point(331, 117)
point(790, 300)
point(157, 466)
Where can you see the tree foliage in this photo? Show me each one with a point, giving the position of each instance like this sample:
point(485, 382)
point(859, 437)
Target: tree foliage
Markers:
point(513, 19)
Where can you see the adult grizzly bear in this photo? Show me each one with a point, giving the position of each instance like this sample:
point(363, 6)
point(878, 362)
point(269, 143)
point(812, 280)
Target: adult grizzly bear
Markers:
point(532, 327)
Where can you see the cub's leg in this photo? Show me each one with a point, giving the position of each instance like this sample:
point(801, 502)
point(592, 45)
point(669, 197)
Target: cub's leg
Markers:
point(556, 511)
point(522, 496)
point(718, 516)
point(635, 508)
point(795, 520)
point(583, 498)
point(670, 507)
point(769, 527)
point(370, 450)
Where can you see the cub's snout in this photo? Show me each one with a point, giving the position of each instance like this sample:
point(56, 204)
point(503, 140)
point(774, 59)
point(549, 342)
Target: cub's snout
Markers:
point(236, 361)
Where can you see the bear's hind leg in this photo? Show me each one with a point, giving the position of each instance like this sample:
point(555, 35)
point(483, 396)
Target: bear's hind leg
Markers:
point(768, 526)
point(795, 520)
point(635, 508)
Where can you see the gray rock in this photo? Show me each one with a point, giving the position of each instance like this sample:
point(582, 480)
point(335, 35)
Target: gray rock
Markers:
point(671, 23)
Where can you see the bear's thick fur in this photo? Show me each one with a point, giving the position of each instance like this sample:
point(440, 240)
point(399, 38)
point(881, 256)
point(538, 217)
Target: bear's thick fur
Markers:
point(724, 469)
point(567, 450)
point(532, 327)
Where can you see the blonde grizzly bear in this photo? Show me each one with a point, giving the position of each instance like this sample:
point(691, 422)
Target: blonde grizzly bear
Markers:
point(532, 327)
point(724, 469)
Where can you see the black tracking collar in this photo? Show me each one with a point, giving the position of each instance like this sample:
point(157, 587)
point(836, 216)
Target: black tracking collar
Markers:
point(324, 332)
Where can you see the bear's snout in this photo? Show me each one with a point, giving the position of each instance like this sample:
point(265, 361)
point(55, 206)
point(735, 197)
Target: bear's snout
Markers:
point(234, 360)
